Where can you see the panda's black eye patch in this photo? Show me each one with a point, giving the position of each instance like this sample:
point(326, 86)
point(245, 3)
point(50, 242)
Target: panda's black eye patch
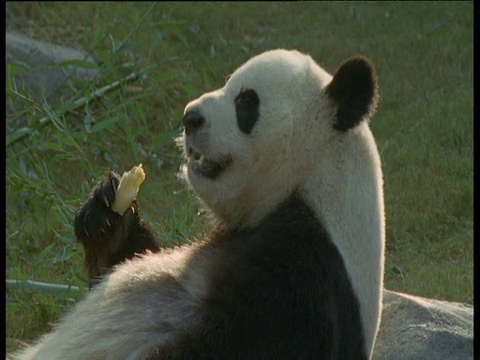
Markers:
point(247, 104)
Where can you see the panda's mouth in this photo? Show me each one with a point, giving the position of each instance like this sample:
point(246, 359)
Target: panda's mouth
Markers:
point(204, 166)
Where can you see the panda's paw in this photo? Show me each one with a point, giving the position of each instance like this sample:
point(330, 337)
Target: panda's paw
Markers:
point(97, 225)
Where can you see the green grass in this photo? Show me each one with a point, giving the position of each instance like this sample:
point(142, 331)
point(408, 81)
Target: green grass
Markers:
point(424, 128)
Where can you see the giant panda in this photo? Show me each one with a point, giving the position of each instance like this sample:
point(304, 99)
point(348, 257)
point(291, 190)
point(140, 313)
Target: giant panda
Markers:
point(292, 267)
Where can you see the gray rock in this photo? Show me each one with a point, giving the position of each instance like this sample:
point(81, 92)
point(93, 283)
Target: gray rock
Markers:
point(424, 329)
point(40, 76)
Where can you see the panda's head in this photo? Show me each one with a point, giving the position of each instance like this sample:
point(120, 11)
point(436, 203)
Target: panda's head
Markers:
point(253, 142)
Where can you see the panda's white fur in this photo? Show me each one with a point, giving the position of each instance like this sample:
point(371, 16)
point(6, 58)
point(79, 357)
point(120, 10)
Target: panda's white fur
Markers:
point(294, 146)
point(107, 324)
point(278, 155)
point(147, 302)
point(358, 202)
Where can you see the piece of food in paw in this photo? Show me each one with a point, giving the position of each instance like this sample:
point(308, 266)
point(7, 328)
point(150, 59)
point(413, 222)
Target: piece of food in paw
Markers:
point(128, 188)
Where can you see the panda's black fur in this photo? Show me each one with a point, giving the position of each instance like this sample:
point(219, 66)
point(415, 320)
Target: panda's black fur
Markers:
point(275, 286)
point(246, 108)
point(108, 238)
point(280, 290)
point(354, 89)
point(281, 293)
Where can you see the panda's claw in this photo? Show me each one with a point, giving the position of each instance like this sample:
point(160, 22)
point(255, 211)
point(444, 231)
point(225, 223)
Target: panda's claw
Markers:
point(114, 186)
point(86, 231)
point(105, 199)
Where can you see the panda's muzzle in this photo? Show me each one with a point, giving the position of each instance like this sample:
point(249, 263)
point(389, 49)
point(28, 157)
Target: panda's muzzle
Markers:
point(204, 166)
point(201, 165)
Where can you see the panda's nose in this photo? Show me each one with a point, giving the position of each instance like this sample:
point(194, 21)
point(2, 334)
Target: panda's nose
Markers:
point(192, 121)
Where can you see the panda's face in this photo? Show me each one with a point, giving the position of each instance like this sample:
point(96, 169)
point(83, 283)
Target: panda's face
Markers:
point(251, 143)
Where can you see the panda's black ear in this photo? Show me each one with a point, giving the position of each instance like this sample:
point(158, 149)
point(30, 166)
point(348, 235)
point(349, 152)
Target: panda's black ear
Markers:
point(354, 91)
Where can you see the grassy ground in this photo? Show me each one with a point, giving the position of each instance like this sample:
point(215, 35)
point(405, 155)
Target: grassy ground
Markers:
point(424, 128)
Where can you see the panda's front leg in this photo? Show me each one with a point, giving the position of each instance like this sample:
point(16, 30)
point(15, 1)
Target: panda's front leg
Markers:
point(107, 237)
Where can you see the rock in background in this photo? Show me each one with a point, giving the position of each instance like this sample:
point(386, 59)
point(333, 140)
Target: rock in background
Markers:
point(38, 72)
point(424, 329)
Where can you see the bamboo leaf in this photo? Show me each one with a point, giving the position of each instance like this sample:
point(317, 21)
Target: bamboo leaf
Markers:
point(82, 64)
point(128, 47)
point(179, 34)
point(106, 123)
point(40, 257)
point(132, 144)
point(158, 40)
point(98, 36)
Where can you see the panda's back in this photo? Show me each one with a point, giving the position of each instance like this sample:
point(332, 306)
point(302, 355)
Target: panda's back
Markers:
point(277, 291)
